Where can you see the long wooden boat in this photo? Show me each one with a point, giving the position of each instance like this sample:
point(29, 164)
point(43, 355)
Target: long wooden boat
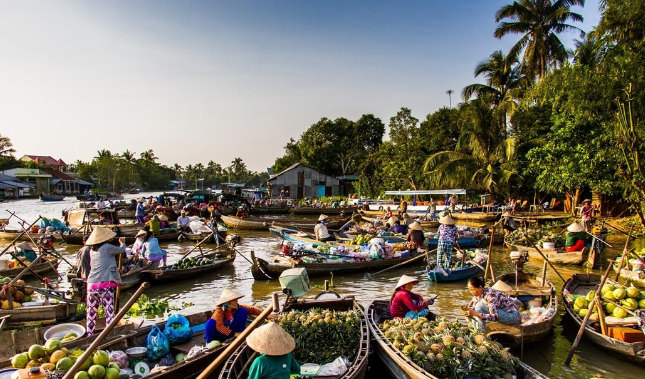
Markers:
point(635, 277)
point(318, 211)
point(16, 341)
point(469, 269)
point(41, 266)
point(238, 364)
point(189, 368)
point(42, 314)
point(333, 222)
point(476, 216)
point(397, 363)
point(425, 224)
point(270, 210)
point(581, 284)
point(298, 236)
point(246, 223)
point(263, 270)
point(51, 198)
point(130, 279)
point(529, 287)
point(222, 257)
point(560, 256)
point(11, 234)
point(165, 235)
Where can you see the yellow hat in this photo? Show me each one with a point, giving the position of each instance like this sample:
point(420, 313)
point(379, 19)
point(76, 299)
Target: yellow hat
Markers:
point(271, 339)
point(99, 235)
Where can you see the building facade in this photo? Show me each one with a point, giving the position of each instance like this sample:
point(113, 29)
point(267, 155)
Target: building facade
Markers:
point(300, 181)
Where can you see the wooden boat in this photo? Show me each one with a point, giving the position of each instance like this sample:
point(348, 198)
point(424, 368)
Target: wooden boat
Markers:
point(238, 364)
point(263, 270)
point(318, 211)
point(41, 314)
point(425, 224)
point(165, 235)
point(223, 256)
point(469, 269)
point(298, 236)
point(189, 368)
point(51, 198)
point(16, 341)
point(529, 287)
point(126, 213)
point(238, 223)
point(41, 266)
point(398, 364)
point(581, 284)
point(100, 196)
point(635, 277)
point(270, 209)
point(130, 279)
point(333, 222)
point(561, 256)
point(11, 234)
point(476, 216)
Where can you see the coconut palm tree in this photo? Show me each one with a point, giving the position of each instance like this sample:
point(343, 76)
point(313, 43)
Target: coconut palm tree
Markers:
point(539, 22)
point(482, 157)
point(6, 147)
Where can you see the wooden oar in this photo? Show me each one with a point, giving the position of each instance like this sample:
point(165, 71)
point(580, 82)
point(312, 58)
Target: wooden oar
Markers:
point(234, 344)
point(543, 256)
point(108, 328)
point(622, 259)
point(586, 319)
point(621, 231)
point(370, 276)
point(490, 251)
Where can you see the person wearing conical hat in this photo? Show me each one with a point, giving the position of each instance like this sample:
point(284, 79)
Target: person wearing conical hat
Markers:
point(140, 211)
point(576, 237)
point(154, 224)
point(275, 346)
point(586, 213)
point(415, 234)
point(152, 251)
point(398, 228)
point(25, 250)
point(320, 230)
point(508, 224)
point(405, 303)
point(229, 317)
point(491, 304)
point(354, 222)
point(447, 237)
point(103, 278)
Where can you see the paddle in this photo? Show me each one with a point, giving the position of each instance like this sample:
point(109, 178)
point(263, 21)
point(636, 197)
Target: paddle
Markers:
point(370, 276)
point(625, 250)
point(108, 328)
point(576, 342)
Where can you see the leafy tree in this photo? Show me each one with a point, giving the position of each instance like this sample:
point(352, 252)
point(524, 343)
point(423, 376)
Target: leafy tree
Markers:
point(440, 130)
point(6, 147)
point(539, 22)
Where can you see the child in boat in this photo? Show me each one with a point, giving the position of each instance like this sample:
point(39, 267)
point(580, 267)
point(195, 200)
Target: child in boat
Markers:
point(405, 303)
point(576, 238)
point(275, 345)
point(229, 317)
point(491, 304)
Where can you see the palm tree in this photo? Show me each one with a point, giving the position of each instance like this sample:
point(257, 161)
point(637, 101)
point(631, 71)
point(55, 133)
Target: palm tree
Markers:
point(589, 52)
point(449, 93)
point(148, 156)
point(539, 22)
point(482, 157)
point(6, 147)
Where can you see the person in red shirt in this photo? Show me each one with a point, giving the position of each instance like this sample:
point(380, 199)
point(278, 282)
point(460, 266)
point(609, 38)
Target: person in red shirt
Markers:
point(405, 303)
point(229, 317)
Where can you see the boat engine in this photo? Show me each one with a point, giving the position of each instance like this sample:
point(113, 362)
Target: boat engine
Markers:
point(519, 258)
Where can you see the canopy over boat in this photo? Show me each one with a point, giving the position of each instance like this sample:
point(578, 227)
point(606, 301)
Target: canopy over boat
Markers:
point(427, 192)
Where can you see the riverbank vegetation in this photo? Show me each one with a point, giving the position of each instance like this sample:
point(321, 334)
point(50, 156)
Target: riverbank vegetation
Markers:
point(541, 118)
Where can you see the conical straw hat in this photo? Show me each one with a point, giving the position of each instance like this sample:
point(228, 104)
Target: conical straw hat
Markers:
point(502, 286)
point(392, 220)
point(575, 227)
point(141, 233)
point(507, 214)
point(100, 235)
point(228, 295)
point(405, 279)
point(162, 217)
point(415, 226)
point(323, 217)
point(271, 339)
point(446, 220)
point(24, 246)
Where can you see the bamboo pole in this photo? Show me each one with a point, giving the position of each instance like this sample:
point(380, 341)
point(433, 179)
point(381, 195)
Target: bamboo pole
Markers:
point(370, 276)
point(18, 237)
point(108, 328)
point(601, 314)
point(625, 250)
point(234, 344)
point(490, 251)
point(544, 273)
point(576, 342)
point(543, 256)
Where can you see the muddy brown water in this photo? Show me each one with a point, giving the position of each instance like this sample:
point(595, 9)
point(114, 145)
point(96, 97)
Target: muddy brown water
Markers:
point(547, 356)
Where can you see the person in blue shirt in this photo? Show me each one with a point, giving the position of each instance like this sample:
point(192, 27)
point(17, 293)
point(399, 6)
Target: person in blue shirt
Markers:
point(275, 346)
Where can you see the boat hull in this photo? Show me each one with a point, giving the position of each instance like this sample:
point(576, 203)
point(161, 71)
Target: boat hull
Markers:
point(51, 264)
point(455, 275)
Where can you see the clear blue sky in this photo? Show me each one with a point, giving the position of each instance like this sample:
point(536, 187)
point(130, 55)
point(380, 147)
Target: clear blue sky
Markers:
point(213, 80)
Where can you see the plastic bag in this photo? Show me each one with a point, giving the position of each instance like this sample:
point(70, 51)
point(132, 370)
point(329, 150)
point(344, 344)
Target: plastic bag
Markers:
point(120, 358)
point(167, 360)
point(157, 344)
point(177, 329)
point(44, 222)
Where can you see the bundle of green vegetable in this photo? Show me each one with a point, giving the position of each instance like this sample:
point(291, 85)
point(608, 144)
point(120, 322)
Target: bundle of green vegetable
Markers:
point(537, 236)
point(322, 335)
point(449, 349)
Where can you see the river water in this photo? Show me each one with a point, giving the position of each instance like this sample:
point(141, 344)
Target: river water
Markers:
point(547, 356)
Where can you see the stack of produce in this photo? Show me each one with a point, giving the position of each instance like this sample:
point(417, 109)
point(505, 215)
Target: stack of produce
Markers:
point(361, 239)
point(19, 294)
point(56, 360)
point(629, 297)
point(185, 263)
point(537, 235)
point(449, 349)
point(322, 335)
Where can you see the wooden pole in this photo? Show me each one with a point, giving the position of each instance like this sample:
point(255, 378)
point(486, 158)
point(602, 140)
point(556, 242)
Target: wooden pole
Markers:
point(199, 244)
point(118, 289)
point(625, 250)
point(544, 273)
point(400, 264)
point(601, 314)
point(543, 256)
point(18, 237)
point(234, 344)
point(490, 251)
point(576, 342)
point(108, 328)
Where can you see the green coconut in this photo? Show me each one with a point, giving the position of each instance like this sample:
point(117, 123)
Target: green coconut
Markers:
point(619, 293)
